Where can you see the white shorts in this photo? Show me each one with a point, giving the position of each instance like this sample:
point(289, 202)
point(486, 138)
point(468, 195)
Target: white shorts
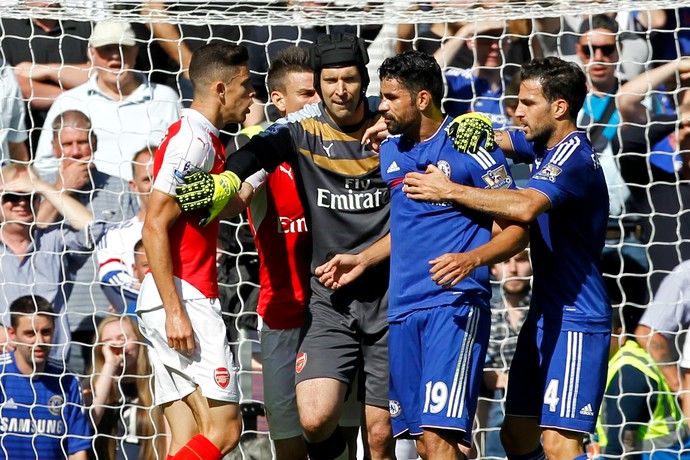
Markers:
point(278, 353)
point(210, 367)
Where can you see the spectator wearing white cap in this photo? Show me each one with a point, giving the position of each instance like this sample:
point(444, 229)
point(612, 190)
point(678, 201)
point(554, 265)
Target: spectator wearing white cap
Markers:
point(127, 111)
point(48, 56)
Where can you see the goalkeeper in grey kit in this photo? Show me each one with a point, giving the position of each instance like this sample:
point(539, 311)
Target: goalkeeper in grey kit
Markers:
point(347, 208)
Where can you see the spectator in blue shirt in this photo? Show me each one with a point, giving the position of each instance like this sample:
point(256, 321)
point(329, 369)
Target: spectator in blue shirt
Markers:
point(41, 410)
point(480, 88)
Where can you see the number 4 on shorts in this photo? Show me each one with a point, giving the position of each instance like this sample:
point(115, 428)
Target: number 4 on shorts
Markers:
point(551, 395)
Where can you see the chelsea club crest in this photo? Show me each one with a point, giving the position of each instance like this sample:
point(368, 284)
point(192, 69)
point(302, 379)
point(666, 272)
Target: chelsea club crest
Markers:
point(444, 166)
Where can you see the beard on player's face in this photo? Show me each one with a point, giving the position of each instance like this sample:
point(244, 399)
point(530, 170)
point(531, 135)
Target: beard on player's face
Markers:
point(541, 135)
point(406, 123)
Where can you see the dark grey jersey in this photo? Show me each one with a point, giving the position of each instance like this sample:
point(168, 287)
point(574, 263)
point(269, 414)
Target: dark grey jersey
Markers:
point(346, 201)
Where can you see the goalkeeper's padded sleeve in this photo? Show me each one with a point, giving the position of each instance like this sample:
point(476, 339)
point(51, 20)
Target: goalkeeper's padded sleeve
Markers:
point(264, 151)
point(243, 163)
point(212, 192)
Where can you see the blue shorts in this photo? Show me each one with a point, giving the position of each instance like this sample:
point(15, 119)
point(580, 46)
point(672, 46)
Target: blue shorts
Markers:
point(436, 359)
point(558, 377)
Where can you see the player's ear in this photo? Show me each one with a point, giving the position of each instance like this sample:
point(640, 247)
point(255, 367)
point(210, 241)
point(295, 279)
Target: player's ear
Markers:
point(278, 100)
point(423, 100)
point(560, 108)
point(219, 88)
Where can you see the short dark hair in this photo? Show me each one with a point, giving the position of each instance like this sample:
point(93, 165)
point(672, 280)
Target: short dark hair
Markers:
point(139, 246)
point(216, 61)
point(598, 21)
point(559, 80)
point(30, 305)
point(416, 71)
point(289, 60)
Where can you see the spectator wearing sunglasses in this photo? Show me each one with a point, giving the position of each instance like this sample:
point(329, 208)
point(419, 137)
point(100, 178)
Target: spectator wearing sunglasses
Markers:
point(634, 29)
point(598, 48)
point(41, 260)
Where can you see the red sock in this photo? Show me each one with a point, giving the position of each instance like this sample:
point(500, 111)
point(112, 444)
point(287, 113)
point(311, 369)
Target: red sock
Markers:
point(169, 457)
point(198, 448)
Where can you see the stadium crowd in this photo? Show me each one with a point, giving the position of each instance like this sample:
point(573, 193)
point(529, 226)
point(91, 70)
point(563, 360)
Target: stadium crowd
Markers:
point(94, 118)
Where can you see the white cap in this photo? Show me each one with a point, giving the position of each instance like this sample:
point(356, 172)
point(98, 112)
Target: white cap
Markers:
point(112, 33)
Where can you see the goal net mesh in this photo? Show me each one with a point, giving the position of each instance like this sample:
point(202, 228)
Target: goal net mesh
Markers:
point(643, 243)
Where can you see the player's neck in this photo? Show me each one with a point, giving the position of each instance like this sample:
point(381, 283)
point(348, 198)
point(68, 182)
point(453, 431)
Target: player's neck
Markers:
point(209, 110)
point(561, 131)
point(429, 125)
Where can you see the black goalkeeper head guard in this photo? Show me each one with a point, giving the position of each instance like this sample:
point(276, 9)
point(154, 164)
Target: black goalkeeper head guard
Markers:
point(339, 50)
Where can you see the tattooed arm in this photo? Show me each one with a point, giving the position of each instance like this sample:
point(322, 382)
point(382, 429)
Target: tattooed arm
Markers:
point(503, 142)
point(663, 353)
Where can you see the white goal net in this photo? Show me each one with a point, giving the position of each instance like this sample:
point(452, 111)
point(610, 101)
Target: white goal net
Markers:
point(45, 54)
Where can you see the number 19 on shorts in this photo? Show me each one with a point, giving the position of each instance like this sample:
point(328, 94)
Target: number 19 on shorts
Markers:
point(436, 397)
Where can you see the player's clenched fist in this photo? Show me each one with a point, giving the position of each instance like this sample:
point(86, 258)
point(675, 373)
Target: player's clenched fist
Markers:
point(468, 130)
point(202, 190)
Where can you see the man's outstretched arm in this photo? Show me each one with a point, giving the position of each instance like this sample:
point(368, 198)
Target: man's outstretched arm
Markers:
point(202, 190)
point(516, 205)
point(451, 268)
point(343, 269)
point(468, 132)
point(662, 351)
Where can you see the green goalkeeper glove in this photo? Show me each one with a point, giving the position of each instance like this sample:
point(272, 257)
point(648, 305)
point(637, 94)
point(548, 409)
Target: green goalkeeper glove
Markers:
point(468, 130)
point(202, 190)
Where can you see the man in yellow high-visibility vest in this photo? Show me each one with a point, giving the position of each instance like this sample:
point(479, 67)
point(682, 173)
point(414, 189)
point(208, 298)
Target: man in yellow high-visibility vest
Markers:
point(640, 417)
